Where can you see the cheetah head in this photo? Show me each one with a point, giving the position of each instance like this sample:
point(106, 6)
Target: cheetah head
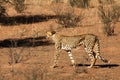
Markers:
point(50, 33)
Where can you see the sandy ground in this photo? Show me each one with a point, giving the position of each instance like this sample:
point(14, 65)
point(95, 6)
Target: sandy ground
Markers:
point(38, 52)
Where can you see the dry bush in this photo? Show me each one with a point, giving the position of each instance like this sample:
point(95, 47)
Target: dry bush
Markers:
point(57, 1)
point(66, 16)
point(106, 1)
point(3, 12)
point(109, 15)
point(19, 5)
point(15, 53)
point(80, 3)
point(15, 57)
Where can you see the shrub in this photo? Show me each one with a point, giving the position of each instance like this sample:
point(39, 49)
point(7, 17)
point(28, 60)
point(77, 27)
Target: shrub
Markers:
point(66, 16)
point(3, 12)
point(57, 1)
point(109, 15)
point(15, 57)
point(106, 1)
point(19, 5)
point(80, 3)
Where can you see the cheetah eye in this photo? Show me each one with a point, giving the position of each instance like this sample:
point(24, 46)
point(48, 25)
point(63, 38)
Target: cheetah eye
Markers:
point(53, 32)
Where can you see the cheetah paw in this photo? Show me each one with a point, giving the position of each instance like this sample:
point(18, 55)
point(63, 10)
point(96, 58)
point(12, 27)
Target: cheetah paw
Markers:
point(54, 66)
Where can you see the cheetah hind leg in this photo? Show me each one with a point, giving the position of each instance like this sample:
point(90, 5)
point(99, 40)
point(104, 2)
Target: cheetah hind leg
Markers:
point(93, 60)
point(97, 51)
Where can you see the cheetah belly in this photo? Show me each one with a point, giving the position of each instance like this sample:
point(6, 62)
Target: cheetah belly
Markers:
point(67, 47)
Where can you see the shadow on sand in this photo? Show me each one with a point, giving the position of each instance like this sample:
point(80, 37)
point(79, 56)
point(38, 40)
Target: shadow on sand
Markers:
point(27, 42)
point(23, 19)
point(100, 65)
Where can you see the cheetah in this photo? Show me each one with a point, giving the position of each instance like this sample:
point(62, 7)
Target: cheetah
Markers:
point(67, 43)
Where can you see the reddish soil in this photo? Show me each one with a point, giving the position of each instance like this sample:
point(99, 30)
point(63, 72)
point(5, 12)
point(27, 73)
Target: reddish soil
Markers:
point(38, 53)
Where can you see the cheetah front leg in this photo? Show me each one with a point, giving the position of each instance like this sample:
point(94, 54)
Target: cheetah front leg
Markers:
point(56, 56)
point(93, 60)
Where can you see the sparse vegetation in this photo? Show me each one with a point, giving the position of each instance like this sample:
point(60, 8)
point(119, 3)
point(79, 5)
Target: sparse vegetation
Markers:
point(109, 15)
point(67, 17)
point(57, 1)
point(15, 57)
point(3, 12)
point(19, 5)
point(106, 1)
point(80, 3)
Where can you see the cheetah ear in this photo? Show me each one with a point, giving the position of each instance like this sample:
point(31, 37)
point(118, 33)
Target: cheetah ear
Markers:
point(53, 32)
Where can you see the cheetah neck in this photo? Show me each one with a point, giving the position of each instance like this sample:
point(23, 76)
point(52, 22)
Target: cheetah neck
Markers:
point(56, 37)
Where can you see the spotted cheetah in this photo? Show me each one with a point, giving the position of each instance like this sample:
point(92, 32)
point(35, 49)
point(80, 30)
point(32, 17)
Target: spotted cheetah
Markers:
point(67, 43)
